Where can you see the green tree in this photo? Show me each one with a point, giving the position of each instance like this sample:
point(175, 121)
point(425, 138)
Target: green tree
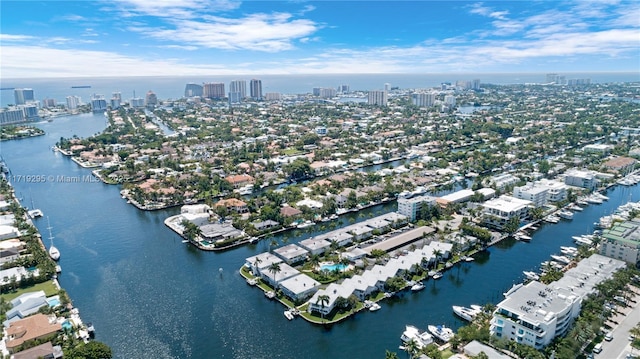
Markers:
point(91, 350)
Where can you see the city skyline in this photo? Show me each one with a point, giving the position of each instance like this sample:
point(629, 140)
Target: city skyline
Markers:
point(187, 38)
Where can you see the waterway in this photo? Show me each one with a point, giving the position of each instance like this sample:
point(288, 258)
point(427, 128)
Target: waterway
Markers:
point(151, 296)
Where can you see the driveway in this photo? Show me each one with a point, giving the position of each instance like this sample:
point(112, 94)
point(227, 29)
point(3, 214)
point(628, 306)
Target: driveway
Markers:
point(628, 318)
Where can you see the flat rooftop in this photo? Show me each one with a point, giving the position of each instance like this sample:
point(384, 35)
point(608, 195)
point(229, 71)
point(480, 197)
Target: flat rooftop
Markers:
point(401, 239)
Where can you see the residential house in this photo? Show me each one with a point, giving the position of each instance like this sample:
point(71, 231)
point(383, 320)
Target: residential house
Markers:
point(37, 326)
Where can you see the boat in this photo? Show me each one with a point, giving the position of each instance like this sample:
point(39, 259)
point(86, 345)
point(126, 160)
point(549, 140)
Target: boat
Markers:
point(441, 332)
point(422, 339)
point(600, 196)
point(54, 253)
point(582, 202)
point(466, 313)
point(35, 213)
point(270, 294)
point(437, 275)
point(560, 259)
point(566, 214)
point(305, 224)
point(91, 329)
point(575, 207)
point(58, 268)
point(417, 287)
point(552, 219)
point(531, 275)
point(81, 87)
point(594, 200)
point(288, 314)
point(333, 216)
point(521, 236)
point(374, 307)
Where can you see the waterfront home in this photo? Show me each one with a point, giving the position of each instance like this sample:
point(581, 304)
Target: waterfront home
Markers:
point(238, 181)
point(264, 225)
point(503, 180)
point(25, 305)
point(35, 327)
point(582, 179)
point(620, 164)
point(273, 278)
point(8, 255)
point(395, 219)
point(354, 254)
point(233, 204)
point(360, 231)
point(46, 350)
point(402, 239)
point(498, 211)
point(315, 245)
point(299, 287)
point(214, 232)
point(535, 193)
point(8, 232)
point(288, 211)
point(460, 196)
point(379, 224)
point(261, 261)
point(535, 313)
point(291, 253)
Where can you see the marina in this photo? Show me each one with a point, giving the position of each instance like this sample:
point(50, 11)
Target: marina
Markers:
point(122, 260)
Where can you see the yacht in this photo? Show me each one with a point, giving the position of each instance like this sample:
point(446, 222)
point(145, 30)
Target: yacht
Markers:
point(593, 199)
point(575, 207)
point(441, 332)
point(35, 213)
point(566, 214)
point(561, 259)
point(374, 307)
point(467, 313)
point(437, 275)
point(417, 287)
point(422, 339)
point(288, 314)
point(521, 236)
point(333, 216)
point(531, 275)
point(305, 224)
point(552, 219)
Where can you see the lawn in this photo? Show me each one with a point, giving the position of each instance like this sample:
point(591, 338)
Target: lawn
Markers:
point(48, 288)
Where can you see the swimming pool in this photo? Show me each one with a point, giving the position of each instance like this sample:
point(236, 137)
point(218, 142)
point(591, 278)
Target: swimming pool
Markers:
point(53, 302)
point(67, 325)
point(333, 267)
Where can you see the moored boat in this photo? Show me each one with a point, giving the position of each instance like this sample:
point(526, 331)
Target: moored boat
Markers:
point(288, 314)
point(417, 287)
point(441, 332)
point(566, 214)
point(422, 339)
point(437, 275)
point(466, 313)
point(531, 275)
point(374, 307)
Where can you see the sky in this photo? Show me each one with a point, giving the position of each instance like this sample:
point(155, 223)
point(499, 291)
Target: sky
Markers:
point(223, 37)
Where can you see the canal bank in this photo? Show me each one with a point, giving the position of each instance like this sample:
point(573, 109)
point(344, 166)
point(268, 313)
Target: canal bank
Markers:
point(148, 292)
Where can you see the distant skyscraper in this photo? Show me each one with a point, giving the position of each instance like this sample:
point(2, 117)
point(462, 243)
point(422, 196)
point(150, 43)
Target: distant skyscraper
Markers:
point(235, 97)
point(151, 99)
point(116, 100)
point(377, 98)
point(450, 100)
point(98, 103)
point(11, 115)
point(476, 84)
point(49, 103)
point(256, 89)
point(73, 102)
point(193, 90)
point(424, 99)
point(316, 91)
point(137, 102)
point(23, 96)
point(327, 92)
point(213, 90)
point(387, 87)
point(273, 96)
point(343, 89)
point(239, 87)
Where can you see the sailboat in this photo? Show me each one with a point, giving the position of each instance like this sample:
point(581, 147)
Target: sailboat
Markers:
point(54, 253)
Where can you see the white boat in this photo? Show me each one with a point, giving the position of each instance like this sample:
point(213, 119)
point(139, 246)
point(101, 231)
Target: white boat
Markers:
point(469, 259)
point(593, 199)
point(270, 294)
point(374, 307)
point(576, 208)
point(437, 275)
point(252, 281)
point(521, 236)
point(466, 313)
point(422, 339)
point(441, 332)
point(54, 253)
point(552, 219)
point(531, 275)
point(566, 214)
point(58, 269)
point(333, 216)
point(560, 259)
point(305, 224)
point(600, 196)
point(288, 314)
point(569, 249)
point(35, 213)
point(417, 287)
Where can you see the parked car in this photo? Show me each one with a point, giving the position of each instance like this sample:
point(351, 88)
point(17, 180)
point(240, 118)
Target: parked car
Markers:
point(608, 337)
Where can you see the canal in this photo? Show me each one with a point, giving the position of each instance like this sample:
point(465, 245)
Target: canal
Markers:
point(151, 296)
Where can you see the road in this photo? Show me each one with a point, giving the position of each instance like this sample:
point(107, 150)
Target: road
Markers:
point(627, 318)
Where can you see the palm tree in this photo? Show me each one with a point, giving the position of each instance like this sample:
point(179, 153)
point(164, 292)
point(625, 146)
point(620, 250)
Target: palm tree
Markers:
point(274, 268)
point(256, 263)
point(411, 347)
point(322, 299)
point(437, 253)
point(390, 355)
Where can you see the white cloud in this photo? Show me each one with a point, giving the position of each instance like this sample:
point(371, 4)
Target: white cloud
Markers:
point(257, 32)
point(15, 38)
point(183, 9)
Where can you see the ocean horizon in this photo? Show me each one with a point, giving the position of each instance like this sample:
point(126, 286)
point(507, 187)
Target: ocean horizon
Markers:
point(172, 87)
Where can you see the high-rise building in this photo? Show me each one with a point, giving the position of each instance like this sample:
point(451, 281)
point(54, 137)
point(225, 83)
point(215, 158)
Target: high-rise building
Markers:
point(193, 90)
point(73, 102)
point(387, 87)
point(235, 97)
point(23, 95)
point(450, 100)
point(273, 96)
point(116, 100)
point(49, 103)
point(151, 99)
point(256, 89)
point(239, 87)
point(475, 84)
point(11, 115)
point(424, 99)
point(213, 90)
point(30, 112)
point(327, 92)
point(316, 91)
point(137, 102)
point(98, 103)
point(343, 89)
point(377, 98)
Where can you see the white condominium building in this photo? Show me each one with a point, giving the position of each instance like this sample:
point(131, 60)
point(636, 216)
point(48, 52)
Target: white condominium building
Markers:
point(498, 211)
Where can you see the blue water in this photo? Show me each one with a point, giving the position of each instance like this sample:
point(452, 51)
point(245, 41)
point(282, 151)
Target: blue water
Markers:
point(152, 296)
point(333, 267)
